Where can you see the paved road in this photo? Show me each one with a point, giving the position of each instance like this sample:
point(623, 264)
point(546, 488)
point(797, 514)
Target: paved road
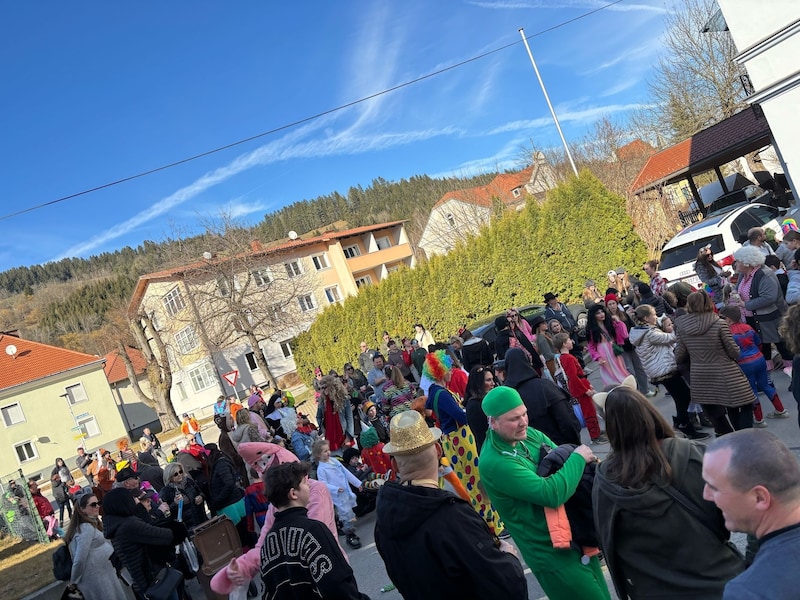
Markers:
point(368, 566)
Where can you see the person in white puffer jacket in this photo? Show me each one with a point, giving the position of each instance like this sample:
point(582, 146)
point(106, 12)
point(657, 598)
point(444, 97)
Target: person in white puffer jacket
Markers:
point(654, 339)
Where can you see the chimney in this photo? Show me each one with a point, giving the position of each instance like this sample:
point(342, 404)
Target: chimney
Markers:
point(256, 246)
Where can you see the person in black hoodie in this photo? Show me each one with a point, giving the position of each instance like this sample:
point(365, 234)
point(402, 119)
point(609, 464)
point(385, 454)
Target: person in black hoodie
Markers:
point(434, 544)
point(226, 492)
point(548, 405)
point(475, 351)
point(506, 339)
point(141, 547)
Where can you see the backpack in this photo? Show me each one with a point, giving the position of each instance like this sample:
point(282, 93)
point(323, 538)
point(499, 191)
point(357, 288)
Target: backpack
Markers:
point(62, 563)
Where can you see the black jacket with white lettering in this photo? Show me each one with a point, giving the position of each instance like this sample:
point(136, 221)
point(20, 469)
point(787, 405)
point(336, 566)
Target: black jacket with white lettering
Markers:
point(301, 560)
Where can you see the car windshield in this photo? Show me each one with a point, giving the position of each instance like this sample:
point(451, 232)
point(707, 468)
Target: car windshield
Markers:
point(680, 255)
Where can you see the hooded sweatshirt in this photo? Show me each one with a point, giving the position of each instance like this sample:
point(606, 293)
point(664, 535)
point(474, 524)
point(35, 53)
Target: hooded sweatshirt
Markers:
point(706, 342)
point(476, 352)
point(688, 561)
point(435, 545)
point(548, 405)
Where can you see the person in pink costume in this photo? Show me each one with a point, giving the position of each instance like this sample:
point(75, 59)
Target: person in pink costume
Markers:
point(604, 334)
point(261, 456)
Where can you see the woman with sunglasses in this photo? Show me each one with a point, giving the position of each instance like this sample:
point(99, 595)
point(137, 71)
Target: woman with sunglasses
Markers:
point(92, 572)
point(178, 485)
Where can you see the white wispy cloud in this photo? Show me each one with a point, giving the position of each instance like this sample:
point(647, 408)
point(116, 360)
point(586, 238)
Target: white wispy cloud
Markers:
point(586, 115)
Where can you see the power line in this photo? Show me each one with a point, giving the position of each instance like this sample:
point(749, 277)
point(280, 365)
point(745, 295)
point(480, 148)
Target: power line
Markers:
point(306, 119)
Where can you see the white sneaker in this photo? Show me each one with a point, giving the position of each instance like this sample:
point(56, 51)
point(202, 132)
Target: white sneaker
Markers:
point(782, 414)
point(759, 424)
point(651, 393)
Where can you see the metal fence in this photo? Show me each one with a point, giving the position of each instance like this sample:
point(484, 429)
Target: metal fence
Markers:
point(18, 515)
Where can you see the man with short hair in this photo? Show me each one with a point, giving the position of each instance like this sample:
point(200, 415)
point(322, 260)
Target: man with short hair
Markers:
point(657, 283)
point(377, 377)
point(434, 544)
point(365, 358)
point(508, 464)
point(83, 461)
point(300, 557)
point(754, 479)
point(757, 237)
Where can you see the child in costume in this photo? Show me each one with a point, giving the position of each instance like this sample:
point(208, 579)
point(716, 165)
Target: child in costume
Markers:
point(372, 452)
point(338, 479)
point(753, 364)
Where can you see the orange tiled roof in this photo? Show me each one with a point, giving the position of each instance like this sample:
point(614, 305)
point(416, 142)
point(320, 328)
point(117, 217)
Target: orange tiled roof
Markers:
point(635, 149)
point(34, 361)
point(115, 367)
point(169, 274)
point(500, 187)
point(716, 144)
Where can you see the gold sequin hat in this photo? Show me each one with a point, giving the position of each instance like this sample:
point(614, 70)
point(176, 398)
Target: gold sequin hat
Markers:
point(409, 434)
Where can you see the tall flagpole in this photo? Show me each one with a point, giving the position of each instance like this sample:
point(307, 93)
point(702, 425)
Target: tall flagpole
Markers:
point(547, 98)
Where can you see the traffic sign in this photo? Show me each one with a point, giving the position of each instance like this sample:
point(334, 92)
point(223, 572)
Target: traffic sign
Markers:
point(231, 377)
point(82, 415)
point(80, 436)
point(77, 428)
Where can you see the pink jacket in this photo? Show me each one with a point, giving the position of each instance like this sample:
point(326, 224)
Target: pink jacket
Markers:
point(261, 455)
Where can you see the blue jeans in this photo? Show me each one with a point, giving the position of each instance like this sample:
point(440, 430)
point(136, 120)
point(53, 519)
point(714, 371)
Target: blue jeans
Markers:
point(758, 376)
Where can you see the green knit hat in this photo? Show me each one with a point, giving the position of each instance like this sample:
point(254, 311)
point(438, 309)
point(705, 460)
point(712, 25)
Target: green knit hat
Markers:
point(369, 437)
point(500, 400)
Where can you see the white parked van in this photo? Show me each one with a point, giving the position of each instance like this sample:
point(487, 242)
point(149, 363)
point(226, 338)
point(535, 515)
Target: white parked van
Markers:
point(725, 232)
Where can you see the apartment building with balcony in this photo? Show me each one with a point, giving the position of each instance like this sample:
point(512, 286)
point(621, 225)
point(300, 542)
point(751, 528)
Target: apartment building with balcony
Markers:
point(203, 311)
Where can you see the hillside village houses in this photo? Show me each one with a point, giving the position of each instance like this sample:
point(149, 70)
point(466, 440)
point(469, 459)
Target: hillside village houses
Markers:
point(199, 308)
point(51, 400)
point(460, 214)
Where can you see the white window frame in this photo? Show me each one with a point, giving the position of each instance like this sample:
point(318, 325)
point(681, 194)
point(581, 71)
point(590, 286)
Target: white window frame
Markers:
point(250, 357)
point(84, 425)
point(286, 348)
point(320, 261)
point(515, 192)
point(451, 220)
point(185, 337)
point(182, 395)
point(383, 242)
point(7, 415)
point(351, 251)
point(294, 268)
point(261, 277)
point(364, 280)
point(33, 449)
point(333, 294)
point(202, 375)
point(307, 302)
point(277, 311)
point(223, 287)
point(173, 301)
point(76, 393)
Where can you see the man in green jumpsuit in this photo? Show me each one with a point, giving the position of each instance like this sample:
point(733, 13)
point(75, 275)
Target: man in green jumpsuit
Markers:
point(508, 462)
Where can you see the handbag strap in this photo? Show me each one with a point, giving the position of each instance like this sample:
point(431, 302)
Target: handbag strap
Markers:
point(690, 507)
point(436, 403)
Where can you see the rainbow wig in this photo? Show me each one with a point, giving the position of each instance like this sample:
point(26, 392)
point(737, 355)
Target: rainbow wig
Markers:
point(437, 365)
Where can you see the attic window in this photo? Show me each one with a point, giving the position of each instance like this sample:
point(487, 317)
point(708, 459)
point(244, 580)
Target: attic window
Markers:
point(451, 220)
point(515, 192)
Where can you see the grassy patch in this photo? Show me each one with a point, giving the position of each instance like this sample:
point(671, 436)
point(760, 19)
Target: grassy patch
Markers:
point(24, 566)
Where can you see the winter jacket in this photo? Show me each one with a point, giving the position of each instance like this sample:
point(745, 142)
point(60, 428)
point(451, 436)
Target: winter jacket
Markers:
point(689, 561)
point(766, 303)
point(502, 344)
point(143, 548)
point(223, 485)
point(60, 493)
point(709, 276)
point(435, 545)
point(193, 514)
point(476, 352)
point(793, 289)
point(657, 302)
point(548, 405)
point(654, 348)
point(706, 342)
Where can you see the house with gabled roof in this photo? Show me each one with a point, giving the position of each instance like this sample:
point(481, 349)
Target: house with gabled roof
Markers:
point(462, 213)
point(52, 400)
point(135, 413)
point(186, 305)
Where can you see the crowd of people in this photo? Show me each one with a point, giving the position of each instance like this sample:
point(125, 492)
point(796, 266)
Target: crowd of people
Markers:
point(462, 446)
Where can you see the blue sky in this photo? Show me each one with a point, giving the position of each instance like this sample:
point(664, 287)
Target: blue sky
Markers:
point(94, 92)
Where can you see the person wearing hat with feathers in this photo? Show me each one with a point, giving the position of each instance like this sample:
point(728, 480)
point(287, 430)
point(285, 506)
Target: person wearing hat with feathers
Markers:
point(509, 460)
point(433, 543)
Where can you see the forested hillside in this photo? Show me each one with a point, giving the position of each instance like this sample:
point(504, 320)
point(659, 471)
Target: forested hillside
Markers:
point(67, 302)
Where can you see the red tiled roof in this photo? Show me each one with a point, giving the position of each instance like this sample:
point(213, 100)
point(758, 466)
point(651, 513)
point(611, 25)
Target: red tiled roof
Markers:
point(635, 149)
point(720, 143)
point(115, 367)
point(33, 361)
point(169, 274)
point(500, 187)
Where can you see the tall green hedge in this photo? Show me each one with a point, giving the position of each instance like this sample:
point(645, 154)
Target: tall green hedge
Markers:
point(580, 232)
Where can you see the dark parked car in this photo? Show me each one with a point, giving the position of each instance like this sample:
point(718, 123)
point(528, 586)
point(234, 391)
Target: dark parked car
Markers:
point(485, 327)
